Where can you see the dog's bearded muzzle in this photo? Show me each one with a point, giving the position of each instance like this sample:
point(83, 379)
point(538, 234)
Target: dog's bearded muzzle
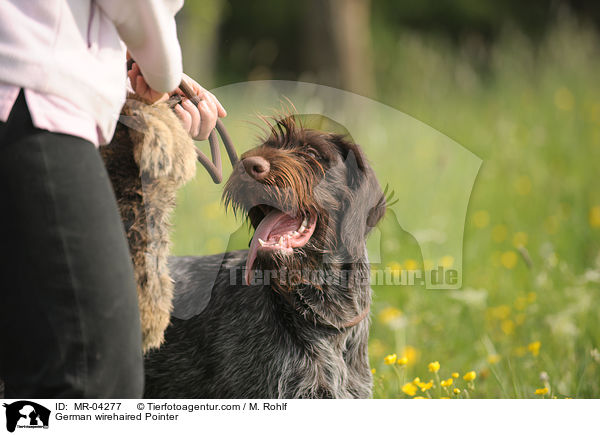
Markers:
point(282, 221)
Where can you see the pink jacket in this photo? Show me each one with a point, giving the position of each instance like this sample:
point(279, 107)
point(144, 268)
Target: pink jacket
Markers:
point(69, 56)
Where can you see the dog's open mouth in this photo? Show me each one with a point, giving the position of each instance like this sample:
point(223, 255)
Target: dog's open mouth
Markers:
point(278, 233)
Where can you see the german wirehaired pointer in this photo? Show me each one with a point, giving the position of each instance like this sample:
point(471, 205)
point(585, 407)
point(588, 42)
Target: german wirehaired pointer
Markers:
point(287, 318)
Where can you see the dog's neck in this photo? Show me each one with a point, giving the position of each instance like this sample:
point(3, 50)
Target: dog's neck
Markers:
point(342, 301)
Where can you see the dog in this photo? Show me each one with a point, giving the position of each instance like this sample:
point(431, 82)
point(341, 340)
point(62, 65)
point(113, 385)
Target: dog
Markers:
point(289, 317)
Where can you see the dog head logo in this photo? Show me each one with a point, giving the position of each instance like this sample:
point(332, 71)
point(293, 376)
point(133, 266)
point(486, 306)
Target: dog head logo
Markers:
point(26, 414)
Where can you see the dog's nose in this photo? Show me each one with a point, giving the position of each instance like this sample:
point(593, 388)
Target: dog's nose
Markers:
point(257, 167)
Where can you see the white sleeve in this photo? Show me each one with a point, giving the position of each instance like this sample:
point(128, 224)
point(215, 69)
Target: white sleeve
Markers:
point(148, 29)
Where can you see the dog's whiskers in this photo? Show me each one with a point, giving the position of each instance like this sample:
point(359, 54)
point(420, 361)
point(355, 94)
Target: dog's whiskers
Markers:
point(296, 303)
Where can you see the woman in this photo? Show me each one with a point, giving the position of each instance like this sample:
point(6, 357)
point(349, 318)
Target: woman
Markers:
point(69, 322)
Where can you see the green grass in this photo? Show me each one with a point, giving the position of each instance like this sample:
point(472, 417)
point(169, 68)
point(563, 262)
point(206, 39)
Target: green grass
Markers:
point(532, 114)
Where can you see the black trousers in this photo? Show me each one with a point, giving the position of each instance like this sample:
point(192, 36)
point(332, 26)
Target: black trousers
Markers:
point(69, 321)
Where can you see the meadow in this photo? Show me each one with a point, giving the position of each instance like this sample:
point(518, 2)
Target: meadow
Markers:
point(524, 323)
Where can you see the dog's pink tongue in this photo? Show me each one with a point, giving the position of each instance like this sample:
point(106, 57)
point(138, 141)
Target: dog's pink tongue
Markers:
point(262, 232)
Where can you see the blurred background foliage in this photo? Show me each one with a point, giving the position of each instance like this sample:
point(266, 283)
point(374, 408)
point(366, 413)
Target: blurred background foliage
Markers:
point(514, 82)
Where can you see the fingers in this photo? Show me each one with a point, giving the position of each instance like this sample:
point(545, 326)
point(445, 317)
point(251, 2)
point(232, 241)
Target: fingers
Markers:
point(221, 112)
point(132, 74)
point(203, 94)
point(141, 88)
point(196, 119)
point(185, 117)
point(212, 102)
point(208, 116)
point(199, 120)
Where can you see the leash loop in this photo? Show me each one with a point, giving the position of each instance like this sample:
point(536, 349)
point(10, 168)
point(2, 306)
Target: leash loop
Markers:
point(213, 166)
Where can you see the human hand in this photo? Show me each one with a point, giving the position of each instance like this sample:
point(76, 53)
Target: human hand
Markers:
point(199, 120)
point(141, 88)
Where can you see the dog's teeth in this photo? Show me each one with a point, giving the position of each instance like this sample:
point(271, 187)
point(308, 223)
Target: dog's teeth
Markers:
point(305, 222)
point(261, 241)
point(301, 229)
point(295, 233)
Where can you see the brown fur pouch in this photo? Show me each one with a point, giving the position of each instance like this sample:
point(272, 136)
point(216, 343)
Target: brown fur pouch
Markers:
point(149, 158)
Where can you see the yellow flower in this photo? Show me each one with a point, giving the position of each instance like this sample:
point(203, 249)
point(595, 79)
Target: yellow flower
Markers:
point(508, 326)
point(509, 259)
point(455, 375)
point(541, 391)
point(409, 389)
point(595, 217)
point(411, 354)
point(500, 312)
point(444, 397)
point(499, 233)
point(481, 219)
point(394, 266)
point(419, 397)
point(534, 348)
point(457, 391)
point(523, 185)
point(447, 382)
point(425, 386)
point(520, 239)
point(390, 359)
point(493, 359)
point(402, 361)
point(416, 380)
point(521, 303)
point(447, 261)
point(434, 366)
point(520, 351)
point(411, 265)
point(389, 315)
point(373, 371)
point(470, 376)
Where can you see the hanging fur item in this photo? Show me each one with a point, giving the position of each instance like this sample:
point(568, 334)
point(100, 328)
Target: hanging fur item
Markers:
point(150, 157)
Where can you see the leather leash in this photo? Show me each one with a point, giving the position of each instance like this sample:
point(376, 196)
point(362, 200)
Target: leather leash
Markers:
point(213, 166)
point(356, 320)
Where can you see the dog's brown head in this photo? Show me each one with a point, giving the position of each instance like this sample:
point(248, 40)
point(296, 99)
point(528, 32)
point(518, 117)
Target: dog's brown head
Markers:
point(310, 196)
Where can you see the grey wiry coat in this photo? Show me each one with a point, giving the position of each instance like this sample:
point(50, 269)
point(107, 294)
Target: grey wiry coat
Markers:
point(282, 339)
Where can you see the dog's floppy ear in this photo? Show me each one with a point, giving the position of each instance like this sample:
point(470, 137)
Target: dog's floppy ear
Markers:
point(353, 158)
point(365, 204)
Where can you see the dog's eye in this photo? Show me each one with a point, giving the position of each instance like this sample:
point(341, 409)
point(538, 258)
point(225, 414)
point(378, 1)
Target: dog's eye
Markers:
point(312, 154)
